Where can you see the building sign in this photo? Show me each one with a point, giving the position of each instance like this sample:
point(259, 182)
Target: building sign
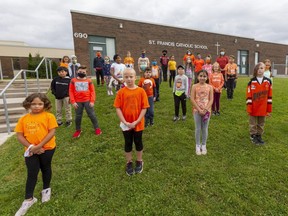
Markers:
point(177, 44)
point(80, 35)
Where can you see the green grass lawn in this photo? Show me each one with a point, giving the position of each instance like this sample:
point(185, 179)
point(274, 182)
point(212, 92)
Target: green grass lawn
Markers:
point(234, 178)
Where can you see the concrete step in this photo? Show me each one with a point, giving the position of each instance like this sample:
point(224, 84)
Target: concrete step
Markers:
point(30, 90)
point(3, 127)
point(21, 94)
point(14, 110)
point(12, 118)
point(12, 102)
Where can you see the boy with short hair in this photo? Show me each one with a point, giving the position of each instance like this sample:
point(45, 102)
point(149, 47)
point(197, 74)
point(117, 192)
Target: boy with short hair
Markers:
point(148, 84)
point(82, 95)
point(131, 103)
point(60, 89)
point(230, 76)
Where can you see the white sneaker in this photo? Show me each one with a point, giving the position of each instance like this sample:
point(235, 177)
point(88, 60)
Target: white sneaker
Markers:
point(46, 195)
point(111, 92)
point(25, 206)
point(108, 92)
point(204, 150)
point(198, 150)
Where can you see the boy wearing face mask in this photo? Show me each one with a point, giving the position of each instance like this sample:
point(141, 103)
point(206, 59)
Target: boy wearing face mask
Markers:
point(156, 75)
point(82, 95)
point(73, 66)
point(143, 63)
point(98, 67)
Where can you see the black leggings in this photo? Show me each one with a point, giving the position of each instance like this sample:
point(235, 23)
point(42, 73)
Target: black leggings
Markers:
point(131, 135)
point(34, 164)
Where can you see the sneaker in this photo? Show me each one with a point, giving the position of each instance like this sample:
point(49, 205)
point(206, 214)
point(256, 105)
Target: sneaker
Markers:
point(77, 134)
point(151, 122)
point(68, 123)
point(218, 113)
point(111, 92)
point(254, 139)
point(139, 167)
point(204, 150)
point(46, 195)
point(176, 118)
point(259, 138)
point(60, 123)
point(184, 117)
point(214, 113)
point(129, 169)
point(98, 131)
point(198, 150)
point(108, 93)
point(25, 206)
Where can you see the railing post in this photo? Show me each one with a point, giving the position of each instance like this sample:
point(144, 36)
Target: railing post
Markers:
point(6, 113)
point(50, 66)
point(25, 83)
point(37, 76)
point(46, 68)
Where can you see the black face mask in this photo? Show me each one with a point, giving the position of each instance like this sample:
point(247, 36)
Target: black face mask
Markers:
point(81, 75)
point(164, 54)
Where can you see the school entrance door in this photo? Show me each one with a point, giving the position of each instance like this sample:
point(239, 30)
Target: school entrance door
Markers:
point(242, 61)
point(105, 45)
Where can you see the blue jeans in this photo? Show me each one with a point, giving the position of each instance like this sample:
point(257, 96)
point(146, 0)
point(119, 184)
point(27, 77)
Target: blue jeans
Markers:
point(150, 111)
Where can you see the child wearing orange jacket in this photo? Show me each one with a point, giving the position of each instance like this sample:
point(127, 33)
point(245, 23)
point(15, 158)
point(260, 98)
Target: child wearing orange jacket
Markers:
point(259, 102)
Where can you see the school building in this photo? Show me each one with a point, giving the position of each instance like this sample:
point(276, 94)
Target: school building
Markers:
point(14, 56)
point(111, 35)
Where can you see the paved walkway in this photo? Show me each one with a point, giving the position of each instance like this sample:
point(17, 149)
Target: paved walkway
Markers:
point(4, 137)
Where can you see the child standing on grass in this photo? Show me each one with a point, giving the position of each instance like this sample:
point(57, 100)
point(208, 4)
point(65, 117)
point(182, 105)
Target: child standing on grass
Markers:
point(216, 80)
point(259, 102)
point(172, 70)
point(36, 132)
point(268, 72)
point(148, 84)
point(60, 89)
point(116, 72)
point(230, 76)
point(107, 74)
point(201, 99)
point(189, 68)
point(128, 60)
point(156, 75)
point(180, 91)
point(131, 103)
point(82, 95)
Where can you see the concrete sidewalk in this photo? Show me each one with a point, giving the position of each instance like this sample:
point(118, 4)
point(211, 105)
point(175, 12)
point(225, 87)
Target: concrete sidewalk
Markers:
point(4, 137)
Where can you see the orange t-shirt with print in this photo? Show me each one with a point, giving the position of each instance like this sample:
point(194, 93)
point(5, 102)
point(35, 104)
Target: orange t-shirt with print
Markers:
point(131, 102)
point(36, 127)
point(148, 85)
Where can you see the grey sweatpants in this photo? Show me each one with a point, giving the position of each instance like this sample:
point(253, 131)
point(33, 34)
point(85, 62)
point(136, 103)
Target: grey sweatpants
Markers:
point(200, 127)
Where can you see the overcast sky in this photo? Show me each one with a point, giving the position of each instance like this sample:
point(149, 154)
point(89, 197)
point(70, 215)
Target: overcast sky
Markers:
point(48, 23)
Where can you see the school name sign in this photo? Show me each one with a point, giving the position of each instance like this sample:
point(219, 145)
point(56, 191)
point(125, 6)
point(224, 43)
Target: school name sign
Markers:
point(177, 44)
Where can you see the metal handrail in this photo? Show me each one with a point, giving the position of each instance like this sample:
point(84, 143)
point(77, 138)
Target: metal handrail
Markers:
point(3, 92)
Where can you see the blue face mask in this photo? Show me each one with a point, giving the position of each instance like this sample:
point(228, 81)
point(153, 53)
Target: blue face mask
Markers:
point(143, 55)
point(154, 63)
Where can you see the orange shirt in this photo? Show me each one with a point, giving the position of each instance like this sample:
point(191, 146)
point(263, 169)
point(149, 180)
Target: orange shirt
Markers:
point(128, 61)
point(62, 64)
point(131, 102)
point(231, 69)
point(202, 95)
point(198, 64)
point(36, 127)
point(192, 57)
point(148, 85)
point(81, 90)
point(216, 80)
point(155, 71)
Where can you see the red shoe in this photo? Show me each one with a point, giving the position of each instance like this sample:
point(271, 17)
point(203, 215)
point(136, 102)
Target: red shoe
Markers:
point(77, 134)
point(98, 131)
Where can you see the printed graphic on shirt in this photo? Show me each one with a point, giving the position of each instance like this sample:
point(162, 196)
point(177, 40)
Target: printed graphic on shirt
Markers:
point(147, 84)
point(179, 83)
point(81, 86)
point(154, 72)
point(32, 127)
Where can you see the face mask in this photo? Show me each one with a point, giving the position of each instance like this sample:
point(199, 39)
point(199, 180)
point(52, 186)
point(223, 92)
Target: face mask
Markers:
point(189, 53)
point(81, 75)
point(143, 55)
point(98, 55)
point(222, 53)
point(154, 63)
point(164, 54)
point(188, 61)
point(74, 61)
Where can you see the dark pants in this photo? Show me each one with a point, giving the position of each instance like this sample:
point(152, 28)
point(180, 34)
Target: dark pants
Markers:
point(157, 83)
point(90, 112)
point(216, 102)
point(230, 88)
point(99, 73)
point(164, 69)
point(149, 115)
point(171, 77)
point(34, 164)
point(131, 136)
point(177, 100)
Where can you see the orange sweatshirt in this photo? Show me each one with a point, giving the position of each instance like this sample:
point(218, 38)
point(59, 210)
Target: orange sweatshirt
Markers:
point(81, 90)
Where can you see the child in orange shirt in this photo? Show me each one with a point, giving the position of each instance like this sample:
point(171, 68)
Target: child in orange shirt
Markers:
point(131, 103)
point(198, 63)
point(216, 80)
point(65, 61)
point(36, 132)
point(128, 60)
point(82, 95)
point(230, 76)
point(148, 84)
point(259, 102)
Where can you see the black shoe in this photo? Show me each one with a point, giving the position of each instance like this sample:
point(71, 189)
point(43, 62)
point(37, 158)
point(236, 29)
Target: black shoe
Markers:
point(139, 167)
point(129, 169)
point(259, 138)
point(146, 123)
point(60, 123)
point(254, 139)
point(218, 113)
point(151, 122)
point(68, 124)
point(214, 113)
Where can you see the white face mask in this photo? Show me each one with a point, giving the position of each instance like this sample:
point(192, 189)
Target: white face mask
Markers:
point(222, 53)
